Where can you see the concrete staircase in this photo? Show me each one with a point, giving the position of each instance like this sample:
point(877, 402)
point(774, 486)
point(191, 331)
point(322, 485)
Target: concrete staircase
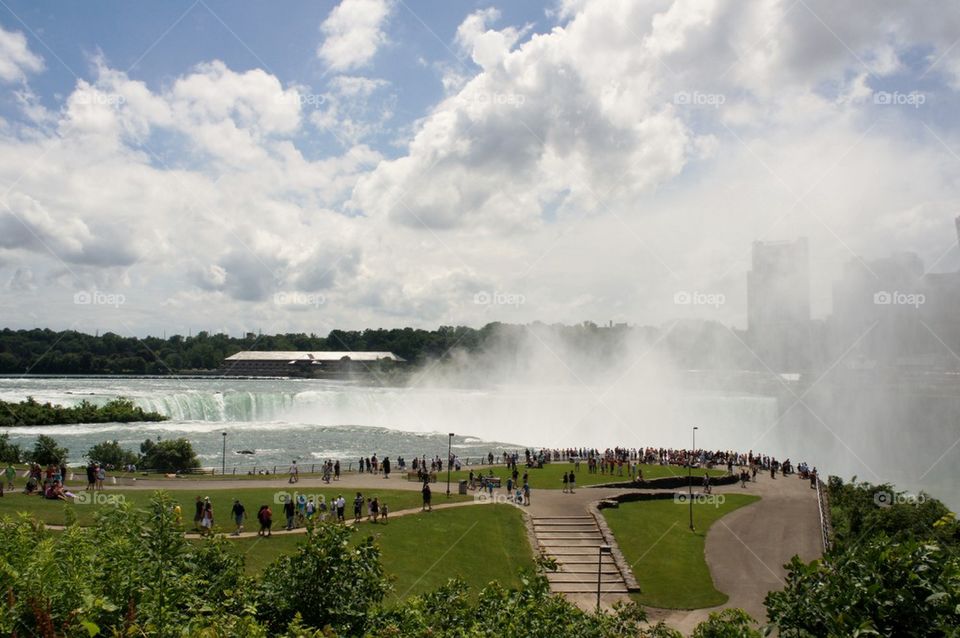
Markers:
point(574, 542)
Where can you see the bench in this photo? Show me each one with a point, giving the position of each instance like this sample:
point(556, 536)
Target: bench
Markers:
point(486, 480)
point(414, 476)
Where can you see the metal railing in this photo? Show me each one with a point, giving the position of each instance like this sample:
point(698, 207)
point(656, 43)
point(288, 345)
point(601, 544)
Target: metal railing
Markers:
point(823, 506)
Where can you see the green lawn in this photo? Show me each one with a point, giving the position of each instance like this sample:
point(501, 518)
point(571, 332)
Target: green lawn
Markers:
point(421, 551)
point(53, 512)
point(666, 557)
point(551, 475)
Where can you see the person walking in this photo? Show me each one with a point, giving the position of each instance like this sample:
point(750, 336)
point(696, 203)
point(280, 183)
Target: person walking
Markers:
point(101, 475)
point(336, 470)
point(526, 494)
point(265, 516)
point(566, 482)
point(357, 507)
point(206, 519)
point(294, 472)
point(10, 473)
point(341, 506)
point(426, 497)
point(239, 513)
point(91, 477)
point(290, 511)
point(197, 513)
point(573, 482)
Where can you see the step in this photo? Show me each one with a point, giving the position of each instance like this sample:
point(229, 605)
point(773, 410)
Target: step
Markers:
point(588, 569)
point(571, 535)
point(570, 542)
point(572, 527)
point(584, 588)
point(563, 551)
point(561, 577)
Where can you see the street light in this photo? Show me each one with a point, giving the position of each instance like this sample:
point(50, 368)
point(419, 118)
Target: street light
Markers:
point(223, 467)
point(449, 448)
point(690, 476)
point(604, 549)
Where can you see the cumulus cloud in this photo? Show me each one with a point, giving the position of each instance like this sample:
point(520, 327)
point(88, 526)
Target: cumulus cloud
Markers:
point(353, 32)
point(16, 59)
point(587, 172)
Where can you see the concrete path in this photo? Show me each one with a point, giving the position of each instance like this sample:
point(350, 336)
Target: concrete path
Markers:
point(280, 526)
point(745, 550)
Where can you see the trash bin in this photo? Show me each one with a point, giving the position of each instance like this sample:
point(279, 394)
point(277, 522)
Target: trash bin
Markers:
point(463, 487)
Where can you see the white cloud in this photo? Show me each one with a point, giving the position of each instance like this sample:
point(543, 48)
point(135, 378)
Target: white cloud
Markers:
point(353, 32)
point(16, 58)
point(563, 169)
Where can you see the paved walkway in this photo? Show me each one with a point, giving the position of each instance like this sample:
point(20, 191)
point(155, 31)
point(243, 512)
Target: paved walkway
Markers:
point(745, 550)
point(280, 525)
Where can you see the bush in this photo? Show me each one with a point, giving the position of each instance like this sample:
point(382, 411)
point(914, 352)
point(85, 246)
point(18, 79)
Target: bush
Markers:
point(47, 452)
point(174, 455)
point(110, 453)
point(9, 452)
point(327, 581)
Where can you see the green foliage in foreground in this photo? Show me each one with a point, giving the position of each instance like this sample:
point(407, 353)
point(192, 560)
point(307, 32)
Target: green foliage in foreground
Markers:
point(30, 412)
point(893, 570)
point(133, 574)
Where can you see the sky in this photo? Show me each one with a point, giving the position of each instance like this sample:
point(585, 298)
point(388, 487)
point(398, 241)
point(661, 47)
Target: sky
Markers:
point(242, 166)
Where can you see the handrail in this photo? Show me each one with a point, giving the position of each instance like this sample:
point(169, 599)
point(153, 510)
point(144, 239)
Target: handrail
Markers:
point(823, 505)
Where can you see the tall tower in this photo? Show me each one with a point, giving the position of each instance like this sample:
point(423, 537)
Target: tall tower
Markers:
point(778, 304)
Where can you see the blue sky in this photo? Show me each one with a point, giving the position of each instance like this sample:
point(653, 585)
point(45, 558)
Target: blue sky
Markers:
point(353, 163)
point(158, 42)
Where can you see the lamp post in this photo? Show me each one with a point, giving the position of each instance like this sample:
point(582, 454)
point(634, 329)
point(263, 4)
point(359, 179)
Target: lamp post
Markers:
point(603, 549)
point(690, 476)
point(223, 466)
point(449, 448)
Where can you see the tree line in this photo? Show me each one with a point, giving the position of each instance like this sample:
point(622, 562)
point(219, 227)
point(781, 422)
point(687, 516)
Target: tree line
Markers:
point(44, 351)
point(30, 412)
point(167, 455)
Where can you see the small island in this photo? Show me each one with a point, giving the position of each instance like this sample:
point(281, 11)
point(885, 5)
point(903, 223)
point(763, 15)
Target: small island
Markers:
point(31, 412)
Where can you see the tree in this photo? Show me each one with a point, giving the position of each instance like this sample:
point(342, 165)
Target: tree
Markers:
point(328, 581)
point(174, 455)
point(908, 588)
point(47, 452)
point(9, 452)
point(110, 453)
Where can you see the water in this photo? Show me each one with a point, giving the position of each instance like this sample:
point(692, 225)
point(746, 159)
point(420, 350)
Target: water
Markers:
point(909, 439)
point(282, 419)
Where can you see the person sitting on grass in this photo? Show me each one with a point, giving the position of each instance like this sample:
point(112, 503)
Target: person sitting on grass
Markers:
point(265, 516)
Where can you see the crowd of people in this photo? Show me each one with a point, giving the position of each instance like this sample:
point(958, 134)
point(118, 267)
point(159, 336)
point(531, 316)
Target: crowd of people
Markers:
point(298, 510)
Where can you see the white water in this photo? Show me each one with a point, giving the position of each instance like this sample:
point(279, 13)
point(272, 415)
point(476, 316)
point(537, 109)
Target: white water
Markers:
point(311, 420)
point(280, 419)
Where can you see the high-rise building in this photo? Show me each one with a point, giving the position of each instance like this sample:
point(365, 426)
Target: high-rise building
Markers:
point(778, 304)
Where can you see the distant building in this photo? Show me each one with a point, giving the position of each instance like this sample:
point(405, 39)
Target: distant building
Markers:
point(321, 364)
point(914, 315)
point(778, 304)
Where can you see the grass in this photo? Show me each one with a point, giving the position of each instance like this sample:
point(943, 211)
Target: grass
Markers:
point(54, 512)
point(421, 551)
point(666, 557)
point(551, 475)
